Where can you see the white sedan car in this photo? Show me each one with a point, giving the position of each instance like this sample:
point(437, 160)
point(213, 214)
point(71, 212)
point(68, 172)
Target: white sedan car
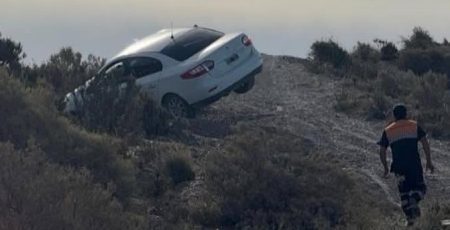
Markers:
point(184, 69)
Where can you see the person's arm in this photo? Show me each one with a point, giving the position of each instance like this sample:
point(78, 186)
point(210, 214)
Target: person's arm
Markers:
point(384, 143)
point(426, 149)
point(383, 159)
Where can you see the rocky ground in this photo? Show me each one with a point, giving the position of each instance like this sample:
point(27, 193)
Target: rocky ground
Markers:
point(287, 97)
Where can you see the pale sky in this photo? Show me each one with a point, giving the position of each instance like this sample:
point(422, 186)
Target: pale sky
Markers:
point(104, 27)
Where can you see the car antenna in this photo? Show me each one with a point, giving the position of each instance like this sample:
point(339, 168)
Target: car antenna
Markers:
point(171, 30)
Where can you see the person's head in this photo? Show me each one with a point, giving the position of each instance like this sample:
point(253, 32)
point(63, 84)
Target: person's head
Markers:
point(400, 112)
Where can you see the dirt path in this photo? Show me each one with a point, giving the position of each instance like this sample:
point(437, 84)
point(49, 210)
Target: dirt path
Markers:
point(288, 97)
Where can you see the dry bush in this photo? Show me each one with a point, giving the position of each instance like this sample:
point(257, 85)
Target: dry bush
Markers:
point(272, 181)
point(179, 170)
point(364, 69)
point(30, 114)
point(346, 101)
point(331, 53)
point(11, 54)
point(161, 166)
point(419, 39)
point(65, 70)
point(370, 88)
point(422, 54)
point(432, 100)
point(389, 52)
point(427, 96)
point(366, 53)
point(421, 61)
point(36, 194)
point(433, 215)
point(119, 108)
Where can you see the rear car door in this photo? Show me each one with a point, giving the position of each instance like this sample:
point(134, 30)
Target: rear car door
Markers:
point(147, 71)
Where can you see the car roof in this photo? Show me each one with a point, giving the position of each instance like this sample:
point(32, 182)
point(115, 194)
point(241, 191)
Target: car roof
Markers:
point(153, 43)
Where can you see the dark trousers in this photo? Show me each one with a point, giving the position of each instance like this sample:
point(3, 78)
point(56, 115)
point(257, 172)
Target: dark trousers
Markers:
point(412, 190)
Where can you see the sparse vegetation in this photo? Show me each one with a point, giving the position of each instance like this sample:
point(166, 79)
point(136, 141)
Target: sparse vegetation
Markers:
point(29, 114)
point(179, 170)
point(365, 52)
point(121, 111)
point(109, 176)
point(388, 50)
point(418, 75)
point(435, 213)
point(37, 194)
point(331, 53)
point(11, 54)
point(272, 182)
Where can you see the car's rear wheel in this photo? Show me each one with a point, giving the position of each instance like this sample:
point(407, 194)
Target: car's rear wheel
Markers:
point(247, 86)
point(178, 107)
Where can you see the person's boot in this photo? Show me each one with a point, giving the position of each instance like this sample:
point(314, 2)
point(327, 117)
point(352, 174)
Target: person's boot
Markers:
point(410, 222)
point(413, 215)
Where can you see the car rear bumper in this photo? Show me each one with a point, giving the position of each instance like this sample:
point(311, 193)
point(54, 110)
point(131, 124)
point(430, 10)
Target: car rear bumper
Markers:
point(227, 91)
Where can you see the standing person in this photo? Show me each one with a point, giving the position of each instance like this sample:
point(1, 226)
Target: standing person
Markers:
point(403, 136)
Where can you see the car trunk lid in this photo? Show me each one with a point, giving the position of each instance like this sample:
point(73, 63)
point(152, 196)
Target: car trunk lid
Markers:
point(227, 53)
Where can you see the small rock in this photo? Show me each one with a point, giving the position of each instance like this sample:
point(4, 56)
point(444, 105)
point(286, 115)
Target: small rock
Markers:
point(279, 109)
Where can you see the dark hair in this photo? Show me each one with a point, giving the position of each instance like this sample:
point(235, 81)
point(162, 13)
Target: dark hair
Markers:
point(399, 111)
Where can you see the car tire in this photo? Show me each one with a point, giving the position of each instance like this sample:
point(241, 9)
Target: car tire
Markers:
point(178, 107)
point(247, 86)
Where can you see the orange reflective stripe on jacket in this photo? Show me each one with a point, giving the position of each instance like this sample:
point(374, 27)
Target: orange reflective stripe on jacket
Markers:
point(399, 130)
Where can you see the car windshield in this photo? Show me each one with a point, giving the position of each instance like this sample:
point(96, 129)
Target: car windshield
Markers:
point(190, 43)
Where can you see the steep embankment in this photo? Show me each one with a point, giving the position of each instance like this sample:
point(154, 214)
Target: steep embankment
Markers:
point(286, 96)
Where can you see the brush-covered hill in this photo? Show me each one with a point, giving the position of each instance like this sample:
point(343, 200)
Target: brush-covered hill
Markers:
point(296, 152)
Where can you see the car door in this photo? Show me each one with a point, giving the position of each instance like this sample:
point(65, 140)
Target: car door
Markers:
point(147, 71)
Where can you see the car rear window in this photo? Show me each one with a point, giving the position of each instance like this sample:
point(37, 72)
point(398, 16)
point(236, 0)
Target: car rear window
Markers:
point(190, 43)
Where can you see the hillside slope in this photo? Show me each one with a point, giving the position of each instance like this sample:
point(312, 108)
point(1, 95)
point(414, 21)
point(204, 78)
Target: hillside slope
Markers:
point(287, 97)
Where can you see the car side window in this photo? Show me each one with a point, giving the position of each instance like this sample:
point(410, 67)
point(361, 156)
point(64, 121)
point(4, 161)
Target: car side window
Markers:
point(116, 71)
point(144, 66)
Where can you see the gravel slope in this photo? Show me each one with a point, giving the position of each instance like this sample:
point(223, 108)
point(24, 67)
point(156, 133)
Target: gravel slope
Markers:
point(287, 96)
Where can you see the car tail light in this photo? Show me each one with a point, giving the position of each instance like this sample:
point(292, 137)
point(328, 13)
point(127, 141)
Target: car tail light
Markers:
point(198, 70)
point(246, 40)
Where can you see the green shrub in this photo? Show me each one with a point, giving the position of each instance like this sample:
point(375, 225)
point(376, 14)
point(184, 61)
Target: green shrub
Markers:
point(36, 194)
point(11, 54)
point(329, 52)
point(379, 106)
point(420, 39)
point(417, 61)
point(421, 61)
point(179, 170)
point(345, 101)
point(432, 100)
point(422, 54)
point(162, 165)
point(65, 70)
point(116, 106)
point(30, 114)
point(445, 42)
point(365, 52)
point(388, 50)
point(364, 69)
point(120, 109)
point(427, 96)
